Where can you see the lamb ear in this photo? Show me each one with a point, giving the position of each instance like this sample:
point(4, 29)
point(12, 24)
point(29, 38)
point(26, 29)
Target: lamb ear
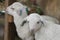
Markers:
point(23, 22)
point(41, 20)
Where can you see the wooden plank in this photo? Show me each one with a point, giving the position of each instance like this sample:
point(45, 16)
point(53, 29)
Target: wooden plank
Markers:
point(6, 23)
point(9, 30)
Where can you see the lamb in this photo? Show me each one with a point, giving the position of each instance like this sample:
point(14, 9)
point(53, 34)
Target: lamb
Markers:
point(43, 29)
point(18, 11)
point(33, 22)
point(19, 8)
point(48, 31)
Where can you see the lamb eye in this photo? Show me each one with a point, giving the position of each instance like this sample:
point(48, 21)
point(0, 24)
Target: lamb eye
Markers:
point(38, 22)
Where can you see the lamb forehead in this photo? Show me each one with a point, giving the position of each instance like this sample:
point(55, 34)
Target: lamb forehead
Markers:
point(33, 17)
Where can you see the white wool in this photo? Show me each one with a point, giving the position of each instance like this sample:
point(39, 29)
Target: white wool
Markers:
point(14, 10)
point(48, 31)
point(16, 7)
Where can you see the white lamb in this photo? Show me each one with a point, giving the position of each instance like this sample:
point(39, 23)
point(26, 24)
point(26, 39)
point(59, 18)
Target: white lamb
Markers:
point(18, 11)
point(43, 30)
point(48, 31)
point(19, 8)
point(33, 21)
